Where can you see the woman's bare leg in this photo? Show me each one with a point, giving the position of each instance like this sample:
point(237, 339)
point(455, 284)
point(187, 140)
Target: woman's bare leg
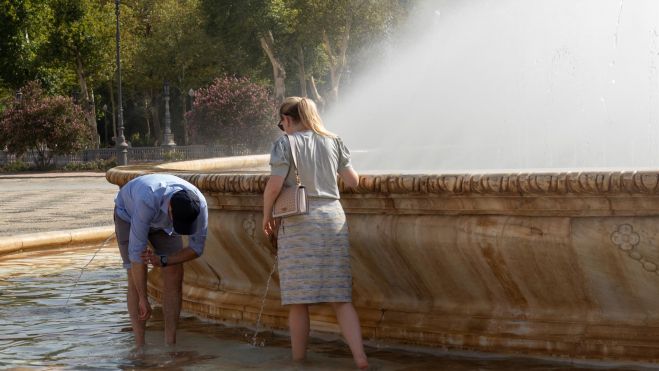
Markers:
point(346, 315)
point(298, 323)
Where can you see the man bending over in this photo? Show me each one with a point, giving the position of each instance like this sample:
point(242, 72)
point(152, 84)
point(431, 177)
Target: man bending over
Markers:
point(158, 208)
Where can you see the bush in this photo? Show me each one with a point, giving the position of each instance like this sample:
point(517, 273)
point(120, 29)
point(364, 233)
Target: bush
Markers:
point(233, 111)
point(15, 167)
point(137, 140)
point(172, 155)
point(97, 165)
point(50, 125)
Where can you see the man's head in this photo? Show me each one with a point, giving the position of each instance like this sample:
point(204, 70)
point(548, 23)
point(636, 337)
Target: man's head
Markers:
point(185, 208)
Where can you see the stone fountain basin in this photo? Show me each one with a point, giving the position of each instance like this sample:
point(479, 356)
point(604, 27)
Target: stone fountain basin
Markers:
point(556, 263)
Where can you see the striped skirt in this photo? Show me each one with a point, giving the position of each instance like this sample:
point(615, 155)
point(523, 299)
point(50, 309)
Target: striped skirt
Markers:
point(314, 255)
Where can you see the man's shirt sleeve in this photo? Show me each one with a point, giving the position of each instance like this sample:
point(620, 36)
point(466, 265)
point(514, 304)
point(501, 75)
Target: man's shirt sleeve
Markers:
point(197, 241)
point(140, 223)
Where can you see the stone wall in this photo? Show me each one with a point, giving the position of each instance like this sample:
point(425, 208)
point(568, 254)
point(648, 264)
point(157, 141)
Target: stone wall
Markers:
point(559, 264)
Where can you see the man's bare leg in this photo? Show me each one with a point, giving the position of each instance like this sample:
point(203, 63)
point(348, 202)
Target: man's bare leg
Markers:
point(172, 296)
point(133, 310)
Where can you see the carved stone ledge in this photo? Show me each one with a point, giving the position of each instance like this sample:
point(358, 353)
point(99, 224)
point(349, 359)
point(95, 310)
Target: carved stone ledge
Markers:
point(560, 183)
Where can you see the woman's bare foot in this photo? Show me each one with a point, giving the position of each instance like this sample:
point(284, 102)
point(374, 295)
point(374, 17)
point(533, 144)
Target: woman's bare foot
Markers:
point(361, 362)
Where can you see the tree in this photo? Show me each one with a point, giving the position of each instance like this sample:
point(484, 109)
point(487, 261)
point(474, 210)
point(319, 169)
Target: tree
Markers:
point(315, 38)
point(82, 40)
point(173, 46)
point(231, 111)
point(23, 26)
point(50, 125)
point(246, 25)
point(342, 28)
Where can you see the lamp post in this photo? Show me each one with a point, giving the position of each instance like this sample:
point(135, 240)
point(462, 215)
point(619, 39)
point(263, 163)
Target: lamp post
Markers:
point(105, 123)
point(168, 137)
point(122, 146)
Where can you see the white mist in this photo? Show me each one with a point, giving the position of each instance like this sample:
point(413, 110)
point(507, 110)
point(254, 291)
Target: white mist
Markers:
point(511, 85)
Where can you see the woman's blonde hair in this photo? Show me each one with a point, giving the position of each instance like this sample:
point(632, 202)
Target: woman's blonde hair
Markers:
point(303, 111)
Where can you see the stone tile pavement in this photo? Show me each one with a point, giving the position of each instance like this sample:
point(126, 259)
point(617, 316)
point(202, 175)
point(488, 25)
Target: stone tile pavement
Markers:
point(40, 202)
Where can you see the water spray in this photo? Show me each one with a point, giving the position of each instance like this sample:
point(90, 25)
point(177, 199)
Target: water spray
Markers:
point(258, 319)
point(82, 270)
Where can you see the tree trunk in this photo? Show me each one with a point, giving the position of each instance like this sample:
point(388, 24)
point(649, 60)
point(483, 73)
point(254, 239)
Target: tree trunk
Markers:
point(337, 61)
point(147, 114)
point(301, 73)
point(183, 97)
point(88, 106)
point(43, 156)
point(278, 71)
point(184, 120)
point(155, 117)
point(114, 112)
point(320, 101)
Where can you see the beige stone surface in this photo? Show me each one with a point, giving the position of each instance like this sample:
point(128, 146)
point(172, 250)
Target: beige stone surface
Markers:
point(558, 264)
point(32, 242)
point(33, 203)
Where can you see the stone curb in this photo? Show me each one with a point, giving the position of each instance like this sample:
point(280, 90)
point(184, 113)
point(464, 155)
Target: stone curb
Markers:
point(52, 175)
point(54, 239)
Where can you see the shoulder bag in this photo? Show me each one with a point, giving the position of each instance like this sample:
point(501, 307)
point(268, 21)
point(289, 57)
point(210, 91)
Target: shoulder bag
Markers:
point(291, 200)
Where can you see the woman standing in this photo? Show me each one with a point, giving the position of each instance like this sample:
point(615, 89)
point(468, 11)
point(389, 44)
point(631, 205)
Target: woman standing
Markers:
point(313, 249)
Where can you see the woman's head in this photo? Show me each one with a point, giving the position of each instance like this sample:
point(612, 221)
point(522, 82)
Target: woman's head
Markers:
point(303, 112)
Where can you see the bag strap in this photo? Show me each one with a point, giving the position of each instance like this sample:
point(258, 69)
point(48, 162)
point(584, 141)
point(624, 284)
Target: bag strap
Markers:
point(292, 144)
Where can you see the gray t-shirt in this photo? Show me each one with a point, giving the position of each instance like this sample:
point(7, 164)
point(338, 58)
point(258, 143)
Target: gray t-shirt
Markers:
point(319, 159)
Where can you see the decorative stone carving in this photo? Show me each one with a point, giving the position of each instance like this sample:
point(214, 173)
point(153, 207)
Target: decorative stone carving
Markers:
point(249, 224)
point(609, 183)
point(628, 241)
point(625, 237)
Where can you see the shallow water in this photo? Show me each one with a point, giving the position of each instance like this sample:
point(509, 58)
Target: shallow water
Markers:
point(47, 321)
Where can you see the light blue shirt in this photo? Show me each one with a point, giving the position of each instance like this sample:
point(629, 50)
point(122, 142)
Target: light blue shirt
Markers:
point(144, 203)
point(319, 158)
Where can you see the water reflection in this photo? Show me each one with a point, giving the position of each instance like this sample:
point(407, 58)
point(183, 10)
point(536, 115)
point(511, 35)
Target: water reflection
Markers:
point(39, 329)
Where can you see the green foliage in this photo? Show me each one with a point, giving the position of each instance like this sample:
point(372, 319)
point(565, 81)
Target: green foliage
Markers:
point(51, 125)
point(237, 25)
point(69, 45)
point(173, 155)
point(82, 37)
point(233, 111)
point(15, 167)
point(139, 140)
point(97, 165)
point(23, 27)
point(175, 47)
point(312, 38)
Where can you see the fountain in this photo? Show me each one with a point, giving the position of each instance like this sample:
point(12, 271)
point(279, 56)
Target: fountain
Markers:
point(557, 261)
point(559, 264)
